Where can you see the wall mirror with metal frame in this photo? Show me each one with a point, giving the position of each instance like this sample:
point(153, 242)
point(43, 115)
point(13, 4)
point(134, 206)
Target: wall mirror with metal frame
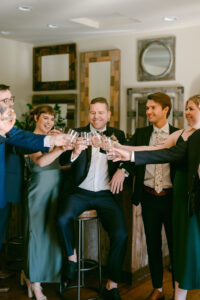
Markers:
point(156, 59)
point(136, 106)
point(100, 77)
point(54, 67)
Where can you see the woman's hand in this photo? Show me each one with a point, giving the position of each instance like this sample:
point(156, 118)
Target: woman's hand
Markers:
point(54, 132)
point(123, 155)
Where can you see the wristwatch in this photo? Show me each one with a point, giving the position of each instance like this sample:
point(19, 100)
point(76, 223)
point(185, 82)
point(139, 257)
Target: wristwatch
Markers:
point(126, 174)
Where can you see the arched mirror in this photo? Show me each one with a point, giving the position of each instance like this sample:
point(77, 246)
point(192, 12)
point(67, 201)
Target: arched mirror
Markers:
point(156, 59)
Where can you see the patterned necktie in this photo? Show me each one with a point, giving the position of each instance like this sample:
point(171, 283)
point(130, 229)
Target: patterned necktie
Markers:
point(158, 176)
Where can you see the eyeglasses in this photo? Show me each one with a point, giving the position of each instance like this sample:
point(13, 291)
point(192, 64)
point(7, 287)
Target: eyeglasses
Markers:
point(7, 100)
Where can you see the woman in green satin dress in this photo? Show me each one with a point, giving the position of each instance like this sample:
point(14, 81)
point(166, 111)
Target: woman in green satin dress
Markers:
point(43, 259)
point(186, 229)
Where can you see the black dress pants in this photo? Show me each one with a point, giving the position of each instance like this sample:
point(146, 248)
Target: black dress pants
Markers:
point(111, 216)
point(156, 212)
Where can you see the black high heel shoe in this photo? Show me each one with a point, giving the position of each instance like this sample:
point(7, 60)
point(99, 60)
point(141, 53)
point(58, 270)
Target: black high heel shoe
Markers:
point(68, 274)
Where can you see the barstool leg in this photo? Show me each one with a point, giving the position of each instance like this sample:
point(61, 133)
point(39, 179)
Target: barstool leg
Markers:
point(99, 254)
point(82, 253)
point(79, 258)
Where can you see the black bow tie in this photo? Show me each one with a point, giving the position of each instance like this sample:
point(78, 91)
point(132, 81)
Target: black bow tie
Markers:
point(102, 132)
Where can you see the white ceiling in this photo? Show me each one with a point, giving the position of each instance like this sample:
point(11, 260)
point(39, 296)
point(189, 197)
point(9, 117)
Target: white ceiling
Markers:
point(113, 17)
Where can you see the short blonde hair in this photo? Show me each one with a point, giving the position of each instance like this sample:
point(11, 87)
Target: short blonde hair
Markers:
point(195, 99)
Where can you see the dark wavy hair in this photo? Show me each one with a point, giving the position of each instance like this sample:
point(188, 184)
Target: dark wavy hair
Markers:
point(163, 99)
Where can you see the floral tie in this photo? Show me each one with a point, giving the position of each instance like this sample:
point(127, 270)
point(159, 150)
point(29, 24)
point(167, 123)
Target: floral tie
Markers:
point(158, 176)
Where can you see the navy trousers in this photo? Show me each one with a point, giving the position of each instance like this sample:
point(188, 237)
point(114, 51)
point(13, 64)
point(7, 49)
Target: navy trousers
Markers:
point(111, 216)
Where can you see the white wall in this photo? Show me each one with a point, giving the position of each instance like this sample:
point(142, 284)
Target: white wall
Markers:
point(187, 61)
point(16, 71)
point(16, 64)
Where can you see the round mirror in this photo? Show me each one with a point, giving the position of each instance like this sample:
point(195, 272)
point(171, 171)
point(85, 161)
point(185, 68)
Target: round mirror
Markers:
point(156, 59)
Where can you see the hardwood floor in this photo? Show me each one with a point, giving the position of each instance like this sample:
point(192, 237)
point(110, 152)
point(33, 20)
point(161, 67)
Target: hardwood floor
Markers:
point(138, 291)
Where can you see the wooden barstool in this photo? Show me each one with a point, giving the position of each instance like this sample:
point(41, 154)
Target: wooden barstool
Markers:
point(85, 264)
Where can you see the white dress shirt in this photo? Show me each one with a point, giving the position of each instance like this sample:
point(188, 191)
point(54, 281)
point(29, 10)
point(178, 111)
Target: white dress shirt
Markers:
point(97, 178)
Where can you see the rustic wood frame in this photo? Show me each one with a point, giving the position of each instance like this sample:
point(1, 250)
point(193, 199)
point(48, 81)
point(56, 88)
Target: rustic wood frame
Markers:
point(38, 52)
point(59, 99)
point(97, 56)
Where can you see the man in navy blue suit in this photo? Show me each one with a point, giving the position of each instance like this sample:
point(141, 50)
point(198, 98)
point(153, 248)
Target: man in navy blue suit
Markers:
point(11, 169)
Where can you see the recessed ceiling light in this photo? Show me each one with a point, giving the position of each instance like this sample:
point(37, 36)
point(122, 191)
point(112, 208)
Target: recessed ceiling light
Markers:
point(53, 26)
point(25, 8)
point(5, 32)
point(170, 19)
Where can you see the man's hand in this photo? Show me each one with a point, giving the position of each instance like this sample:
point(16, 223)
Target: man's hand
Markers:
point(80, 145)
point(7, 121)
point(117, 181)
point(58, 140)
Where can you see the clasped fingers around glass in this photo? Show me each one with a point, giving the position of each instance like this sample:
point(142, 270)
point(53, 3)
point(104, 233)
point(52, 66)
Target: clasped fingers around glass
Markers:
point(108, 147)
point(71, 135)
point(86, 137)
point(96, 139)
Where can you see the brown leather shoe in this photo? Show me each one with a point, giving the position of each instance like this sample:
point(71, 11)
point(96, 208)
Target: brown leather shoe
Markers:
point(156, 294)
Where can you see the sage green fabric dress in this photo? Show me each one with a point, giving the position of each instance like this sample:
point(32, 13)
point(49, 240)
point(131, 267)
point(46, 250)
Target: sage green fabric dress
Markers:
point(186, 235)
point(43, 257)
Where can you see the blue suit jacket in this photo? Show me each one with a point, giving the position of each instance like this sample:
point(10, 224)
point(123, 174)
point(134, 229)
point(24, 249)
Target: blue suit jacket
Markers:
point(11, 179)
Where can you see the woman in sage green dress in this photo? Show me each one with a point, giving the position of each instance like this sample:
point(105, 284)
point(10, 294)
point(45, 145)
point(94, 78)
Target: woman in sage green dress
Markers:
point(43, 259)
point(186, 229)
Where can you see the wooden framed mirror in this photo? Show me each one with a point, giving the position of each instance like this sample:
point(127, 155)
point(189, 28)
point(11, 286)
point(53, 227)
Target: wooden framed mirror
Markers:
point(54, 67)
point(66, 102)
point(156, 59)
point(100, 69)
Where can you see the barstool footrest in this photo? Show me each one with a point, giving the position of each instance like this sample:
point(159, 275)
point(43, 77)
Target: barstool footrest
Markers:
point(94, 264)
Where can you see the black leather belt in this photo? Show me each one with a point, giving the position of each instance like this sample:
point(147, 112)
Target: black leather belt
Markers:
point(164, 192)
